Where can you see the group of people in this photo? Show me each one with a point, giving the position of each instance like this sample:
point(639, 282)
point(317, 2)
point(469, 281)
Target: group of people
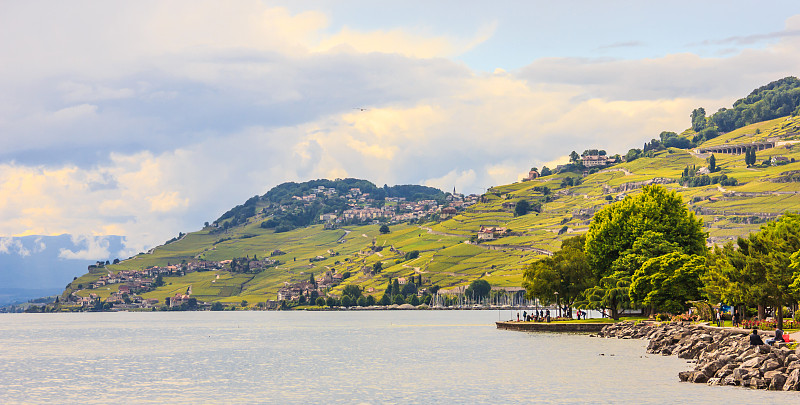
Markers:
point(755, 339)
point(536, 316)
point(735, 318)
point(543, 315)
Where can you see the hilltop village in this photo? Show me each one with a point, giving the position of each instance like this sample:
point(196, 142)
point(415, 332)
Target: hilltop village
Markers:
point(133, 283)
point(363, 207)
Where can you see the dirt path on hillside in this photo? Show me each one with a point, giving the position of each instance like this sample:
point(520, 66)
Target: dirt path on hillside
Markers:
point(619, 169)
point(346, 232)
point(416, 269)
point(432, 232)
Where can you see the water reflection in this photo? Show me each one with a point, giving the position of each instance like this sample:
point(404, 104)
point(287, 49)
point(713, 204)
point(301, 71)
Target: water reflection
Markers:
point(339, 357)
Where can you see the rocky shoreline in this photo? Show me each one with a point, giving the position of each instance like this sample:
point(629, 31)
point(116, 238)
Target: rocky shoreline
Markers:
point(721, 356)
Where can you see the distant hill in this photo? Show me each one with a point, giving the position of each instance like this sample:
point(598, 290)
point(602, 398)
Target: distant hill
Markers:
point(35, 266)
point(292, 205)
point(780, 98)
point(271, 247)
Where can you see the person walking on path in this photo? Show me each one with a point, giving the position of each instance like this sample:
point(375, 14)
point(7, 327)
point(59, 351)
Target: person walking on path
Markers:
point(719, 319)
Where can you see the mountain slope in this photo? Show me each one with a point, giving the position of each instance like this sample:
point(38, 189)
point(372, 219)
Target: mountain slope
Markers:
point(733, 201)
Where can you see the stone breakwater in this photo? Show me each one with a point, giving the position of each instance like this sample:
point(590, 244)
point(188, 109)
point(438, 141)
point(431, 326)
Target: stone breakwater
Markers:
point(721, 356)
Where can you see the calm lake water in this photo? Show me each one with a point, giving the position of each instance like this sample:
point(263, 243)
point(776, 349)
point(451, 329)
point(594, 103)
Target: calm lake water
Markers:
point(330, 357)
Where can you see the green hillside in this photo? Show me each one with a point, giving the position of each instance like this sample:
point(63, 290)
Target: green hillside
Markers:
point(433, 236)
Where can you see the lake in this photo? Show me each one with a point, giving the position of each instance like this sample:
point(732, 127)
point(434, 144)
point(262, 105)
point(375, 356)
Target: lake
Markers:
point(330, 357)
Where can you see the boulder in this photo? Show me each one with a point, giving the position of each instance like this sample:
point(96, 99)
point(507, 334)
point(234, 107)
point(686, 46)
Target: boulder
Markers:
point(710, 368)
point(769, 365)
point(757, 383)
point(714, 381)
point(776, 380)
point(753, 362)
point(685, 375)
point(793, 381)
point(698, 377)
point(744, 373)
point(725, 370)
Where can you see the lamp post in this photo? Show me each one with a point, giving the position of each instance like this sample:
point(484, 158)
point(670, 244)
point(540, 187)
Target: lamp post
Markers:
point(559, 306)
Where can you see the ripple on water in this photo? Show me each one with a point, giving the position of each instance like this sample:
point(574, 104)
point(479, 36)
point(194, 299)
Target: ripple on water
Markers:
point(336, 357)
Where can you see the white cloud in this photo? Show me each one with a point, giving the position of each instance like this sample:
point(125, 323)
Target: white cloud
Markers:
point(453, 179)
point(82, 92)
point(39, 245)
point(402, 42)
point(96, 248)
point(161, 123)
point(13, 246)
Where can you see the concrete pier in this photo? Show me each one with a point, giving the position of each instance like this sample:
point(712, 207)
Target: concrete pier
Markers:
point(579, 327)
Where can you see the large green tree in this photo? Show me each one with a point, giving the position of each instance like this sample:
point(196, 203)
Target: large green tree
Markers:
point(611, 293)
point(628, 233)
point(478, 289)
point(522, 208)
point(352, 290)
point(567, 273)
point(698, 119)
point(656, 213)
point(760, 272)
point(668, 281)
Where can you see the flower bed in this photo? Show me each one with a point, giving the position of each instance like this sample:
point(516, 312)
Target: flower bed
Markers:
point(770, 324)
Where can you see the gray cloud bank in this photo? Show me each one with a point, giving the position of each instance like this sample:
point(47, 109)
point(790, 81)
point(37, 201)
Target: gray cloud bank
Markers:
point(139, 124)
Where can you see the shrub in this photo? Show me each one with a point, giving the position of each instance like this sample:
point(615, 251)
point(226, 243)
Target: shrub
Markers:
point(685, 318)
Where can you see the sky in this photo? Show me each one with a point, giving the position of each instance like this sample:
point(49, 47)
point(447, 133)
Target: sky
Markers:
point(147, 118)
